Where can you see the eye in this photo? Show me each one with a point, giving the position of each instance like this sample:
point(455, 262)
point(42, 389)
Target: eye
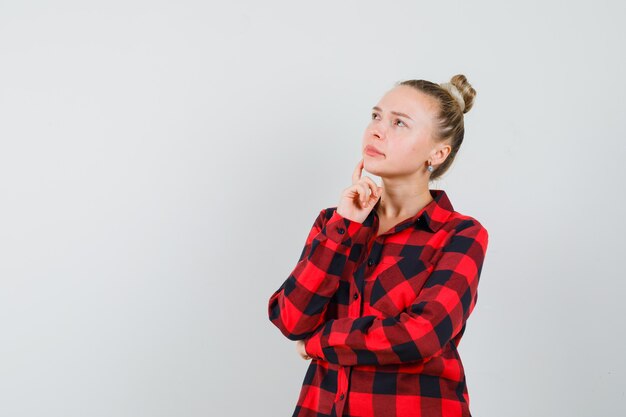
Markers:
point(400, 121)
point(374, 115)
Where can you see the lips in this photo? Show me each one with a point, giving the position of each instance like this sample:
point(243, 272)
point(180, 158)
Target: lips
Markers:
point(373, 149)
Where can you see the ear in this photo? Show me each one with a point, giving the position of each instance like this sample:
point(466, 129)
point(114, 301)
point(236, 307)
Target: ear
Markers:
point(440, 153)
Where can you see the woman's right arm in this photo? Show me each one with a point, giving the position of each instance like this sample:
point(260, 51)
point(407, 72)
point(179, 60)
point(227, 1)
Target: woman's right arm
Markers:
point(297, 308)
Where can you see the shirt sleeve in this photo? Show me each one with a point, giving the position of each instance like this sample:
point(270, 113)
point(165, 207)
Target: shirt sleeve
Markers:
point(297, 307)
point(423, 329)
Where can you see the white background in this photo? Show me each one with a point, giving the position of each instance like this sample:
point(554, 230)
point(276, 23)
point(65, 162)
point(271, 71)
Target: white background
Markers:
point(162, 162)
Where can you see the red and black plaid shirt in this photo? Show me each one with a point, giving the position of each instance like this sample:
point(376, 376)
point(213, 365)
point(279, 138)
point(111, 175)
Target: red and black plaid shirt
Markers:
point(382, 316)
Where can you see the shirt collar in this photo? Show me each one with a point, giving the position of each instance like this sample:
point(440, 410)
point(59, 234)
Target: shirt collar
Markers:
point(433, 215)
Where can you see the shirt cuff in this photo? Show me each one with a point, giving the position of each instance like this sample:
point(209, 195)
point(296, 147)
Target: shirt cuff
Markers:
point(340, 229)
point(313, 345)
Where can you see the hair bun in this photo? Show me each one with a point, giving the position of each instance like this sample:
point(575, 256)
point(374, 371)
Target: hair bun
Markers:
point(461, 90)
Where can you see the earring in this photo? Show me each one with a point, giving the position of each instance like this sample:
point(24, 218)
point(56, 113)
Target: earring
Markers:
point(430, 167)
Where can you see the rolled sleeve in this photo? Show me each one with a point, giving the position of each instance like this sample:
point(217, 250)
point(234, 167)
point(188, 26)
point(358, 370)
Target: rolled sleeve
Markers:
point(297, 308)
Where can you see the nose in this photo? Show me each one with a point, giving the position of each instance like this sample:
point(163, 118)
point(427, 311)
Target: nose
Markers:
point(378, 131)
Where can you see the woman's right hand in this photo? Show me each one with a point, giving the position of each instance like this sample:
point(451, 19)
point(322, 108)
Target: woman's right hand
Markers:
point(358, 200)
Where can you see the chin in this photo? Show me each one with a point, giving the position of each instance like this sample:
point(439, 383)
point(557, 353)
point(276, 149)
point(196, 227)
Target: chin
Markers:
point(372, 166)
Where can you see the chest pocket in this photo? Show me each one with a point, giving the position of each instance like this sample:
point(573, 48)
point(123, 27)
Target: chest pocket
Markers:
point(396, 288)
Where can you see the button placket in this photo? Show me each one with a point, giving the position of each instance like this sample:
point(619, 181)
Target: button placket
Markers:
point(342, 383)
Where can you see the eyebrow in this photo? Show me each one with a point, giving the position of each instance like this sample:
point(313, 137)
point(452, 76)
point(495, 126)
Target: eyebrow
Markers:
point(392, 112)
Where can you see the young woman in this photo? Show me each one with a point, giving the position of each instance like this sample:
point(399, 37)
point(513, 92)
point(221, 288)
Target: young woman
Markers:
point(387, 279)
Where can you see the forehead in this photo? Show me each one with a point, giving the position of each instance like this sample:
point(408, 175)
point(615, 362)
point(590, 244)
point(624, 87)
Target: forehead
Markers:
point(408, 100)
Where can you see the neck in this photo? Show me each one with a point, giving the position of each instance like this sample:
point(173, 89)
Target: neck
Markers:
point(398, 203)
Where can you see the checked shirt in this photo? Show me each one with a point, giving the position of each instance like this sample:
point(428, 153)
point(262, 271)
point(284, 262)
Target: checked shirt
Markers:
point(382, 315)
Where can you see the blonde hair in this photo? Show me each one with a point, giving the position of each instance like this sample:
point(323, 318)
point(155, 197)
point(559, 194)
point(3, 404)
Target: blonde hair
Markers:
point(455, 98)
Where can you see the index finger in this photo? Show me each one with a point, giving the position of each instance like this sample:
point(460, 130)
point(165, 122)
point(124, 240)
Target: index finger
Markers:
point(356, 175)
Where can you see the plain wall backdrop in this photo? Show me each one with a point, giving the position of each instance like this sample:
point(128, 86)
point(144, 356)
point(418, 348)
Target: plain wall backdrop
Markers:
point(161, 164)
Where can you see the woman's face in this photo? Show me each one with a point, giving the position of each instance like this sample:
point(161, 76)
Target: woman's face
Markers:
point(400, 128)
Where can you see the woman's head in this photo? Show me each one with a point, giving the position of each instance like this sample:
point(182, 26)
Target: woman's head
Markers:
point(415, 124)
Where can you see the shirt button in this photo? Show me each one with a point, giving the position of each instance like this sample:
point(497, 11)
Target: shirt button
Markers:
point(341, 230)
point(356, 295)
point(370, 262)
point(341, 397)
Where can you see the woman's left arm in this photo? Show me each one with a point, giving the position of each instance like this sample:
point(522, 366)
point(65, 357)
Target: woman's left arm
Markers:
point(421, 331)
